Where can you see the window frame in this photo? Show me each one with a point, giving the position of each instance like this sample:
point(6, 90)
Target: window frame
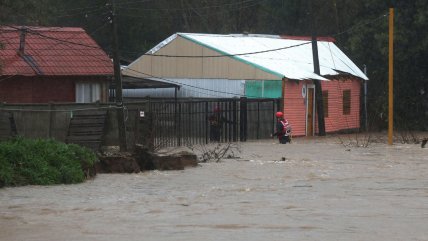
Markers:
point(346, 102)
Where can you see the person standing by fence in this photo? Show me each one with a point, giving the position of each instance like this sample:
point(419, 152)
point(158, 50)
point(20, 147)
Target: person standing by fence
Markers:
point(216, 122)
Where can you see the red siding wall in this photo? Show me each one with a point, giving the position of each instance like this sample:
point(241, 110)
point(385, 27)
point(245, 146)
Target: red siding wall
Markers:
point(336, 120)
point(295, 106)
point(37, 90)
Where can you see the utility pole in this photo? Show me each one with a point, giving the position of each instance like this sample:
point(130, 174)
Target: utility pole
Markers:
point(391, 77)
point(366, 125)
point(318, 88)
point(118, 81)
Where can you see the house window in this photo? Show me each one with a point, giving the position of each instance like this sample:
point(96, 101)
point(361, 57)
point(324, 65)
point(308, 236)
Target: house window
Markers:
point(325, 102)
point(88, 92)
point(347, 102)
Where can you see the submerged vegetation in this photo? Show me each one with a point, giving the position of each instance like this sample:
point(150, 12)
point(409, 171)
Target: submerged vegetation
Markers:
point(43, 162)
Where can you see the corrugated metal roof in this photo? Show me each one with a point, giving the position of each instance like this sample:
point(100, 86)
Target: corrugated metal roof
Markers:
point(292, 59)
point(52, 51)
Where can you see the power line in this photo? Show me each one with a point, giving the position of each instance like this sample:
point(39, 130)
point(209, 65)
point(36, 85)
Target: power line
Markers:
point(79, 13)
point(35, 32)
point(233, 3)
point(59, 42)
point(218, 56)
point(134, 2)
point(208, 56)
point(216, 91)
point(225, 55)
point(193, 16)
point(170, 56)
point(361, 24)
point(82, 8)
point(66, 42)
point(196, 87)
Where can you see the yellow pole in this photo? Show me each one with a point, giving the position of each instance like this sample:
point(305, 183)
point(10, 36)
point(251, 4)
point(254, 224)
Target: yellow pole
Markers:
point(391, 82)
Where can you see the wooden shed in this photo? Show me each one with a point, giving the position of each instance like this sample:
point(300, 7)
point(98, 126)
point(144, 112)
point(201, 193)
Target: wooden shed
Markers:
point(52, 64)
point(259, 66)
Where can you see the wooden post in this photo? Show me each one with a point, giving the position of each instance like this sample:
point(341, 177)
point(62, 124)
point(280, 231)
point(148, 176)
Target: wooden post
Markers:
point(50, 125)
point(318, 87)
point(391, 75)
point(118, 81)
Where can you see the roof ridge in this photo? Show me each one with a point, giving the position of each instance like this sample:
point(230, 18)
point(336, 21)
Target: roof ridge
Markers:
point(233, 35)
point(308, 38)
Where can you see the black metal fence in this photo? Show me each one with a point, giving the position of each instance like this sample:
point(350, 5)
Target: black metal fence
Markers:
point(169, 122)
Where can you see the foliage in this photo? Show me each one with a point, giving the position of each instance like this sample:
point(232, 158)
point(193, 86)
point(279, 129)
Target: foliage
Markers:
point(42, 162)
point(360, 27)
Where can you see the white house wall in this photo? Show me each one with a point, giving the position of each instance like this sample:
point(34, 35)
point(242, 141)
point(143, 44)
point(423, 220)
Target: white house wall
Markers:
point(197, 88)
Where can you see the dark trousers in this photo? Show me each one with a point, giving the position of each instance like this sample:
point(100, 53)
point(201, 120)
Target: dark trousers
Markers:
point(284, 139)
point(215, 133)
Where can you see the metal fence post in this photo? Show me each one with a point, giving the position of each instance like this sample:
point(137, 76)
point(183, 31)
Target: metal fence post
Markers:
point(206, 122)
point(235, 121)
point(243, 118)
point(179, 124)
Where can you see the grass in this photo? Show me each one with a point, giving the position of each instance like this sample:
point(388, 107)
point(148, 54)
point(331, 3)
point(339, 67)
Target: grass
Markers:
point(43, 162)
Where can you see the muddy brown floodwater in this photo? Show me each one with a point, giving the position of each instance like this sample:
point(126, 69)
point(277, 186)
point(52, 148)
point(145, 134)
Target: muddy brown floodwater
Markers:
point(322, 191)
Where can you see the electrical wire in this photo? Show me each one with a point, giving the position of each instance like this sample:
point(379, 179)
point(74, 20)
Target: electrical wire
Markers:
point(193, 16)
point(78, 14)
point(233, 3)
point(133, 2)
point(226, 55)
point(66, 42)
point(350, 29)
point(170, 56)
point(49, 47)
point(209, 56)
point(201, 88)
point(196, 87)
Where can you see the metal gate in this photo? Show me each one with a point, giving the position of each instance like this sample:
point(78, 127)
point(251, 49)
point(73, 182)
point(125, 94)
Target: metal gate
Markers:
point(170, 122)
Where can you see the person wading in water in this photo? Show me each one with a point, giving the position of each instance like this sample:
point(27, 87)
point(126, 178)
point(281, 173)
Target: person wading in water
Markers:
point(283, 129)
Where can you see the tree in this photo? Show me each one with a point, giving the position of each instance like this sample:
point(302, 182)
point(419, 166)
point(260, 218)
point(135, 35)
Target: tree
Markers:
point(360, 27)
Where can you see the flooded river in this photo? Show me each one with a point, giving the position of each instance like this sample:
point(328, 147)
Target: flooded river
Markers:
point(307, 190)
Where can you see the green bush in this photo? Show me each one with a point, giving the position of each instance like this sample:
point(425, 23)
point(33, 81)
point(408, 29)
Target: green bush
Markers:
point(43, 162)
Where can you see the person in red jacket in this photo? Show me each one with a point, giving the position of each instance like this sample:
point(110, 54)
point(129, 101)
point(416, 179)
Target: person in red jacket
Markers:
point(283, 128)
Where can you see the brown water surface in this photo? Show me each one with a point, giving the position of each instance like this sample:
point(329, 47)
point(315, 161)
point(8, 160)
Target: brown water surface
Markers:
point(322, 191)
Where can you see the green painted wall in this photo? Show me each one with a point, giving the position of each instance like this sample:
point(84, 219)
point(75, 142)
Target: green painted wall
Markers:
point(263, 88)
